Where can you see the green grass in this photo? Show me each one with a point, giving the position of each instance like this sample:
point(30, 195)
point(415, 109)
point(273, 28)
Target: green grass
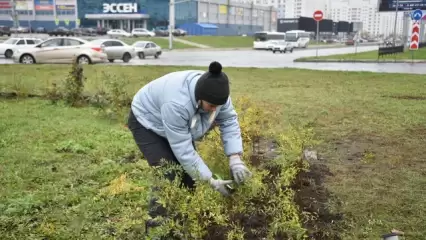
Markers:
point(419, 54)
point(372, 127)
point(57, 164)
point(227, 41)
point(162, 42)
point(222, 41)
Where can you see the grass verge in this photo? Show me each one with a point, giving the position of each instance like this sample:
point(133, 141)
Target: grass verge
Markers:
point(372, 55)
point(222, 41)
point(372, 128)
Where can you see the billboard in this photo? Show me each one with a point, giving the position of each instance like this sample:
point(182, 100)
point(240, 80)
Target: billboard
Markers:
point(403, 5)
point(287, 24)
point(5, 4)
point(304, 23)
point(24, 5)
point(43, 5)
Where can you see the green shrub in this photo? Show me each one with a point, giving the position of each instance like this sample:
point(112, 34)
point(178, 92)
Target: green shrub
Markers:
point(262, 208)
point(112, 97)
point(74, 85)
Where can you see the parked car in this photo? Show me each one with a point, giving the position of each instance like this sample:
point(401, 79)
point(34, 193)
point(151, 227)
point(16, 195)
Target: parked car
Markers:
point(115, 49)
point(350, 42)
point(118, 33)
point(23, 30)
point(101, 30)
point(5, 30)
point(147, 48)
point(161, 31)
point(61, 31)
point(179, 32)
point(142, 32)
point(61, 50)
point(41, 30)
point(282, 47)
point(8, 47)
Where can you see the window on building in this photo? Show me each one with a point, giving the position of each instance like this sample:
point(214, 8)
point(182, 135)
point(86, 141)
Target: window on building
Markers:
point(23, 12)
point(5, 11)
point(44, 12)
point(65, 12)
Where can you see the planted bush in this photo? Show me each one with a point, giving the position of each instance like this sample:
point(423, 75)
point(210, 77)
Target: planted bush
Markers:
point(74, 85)
point(262, 208)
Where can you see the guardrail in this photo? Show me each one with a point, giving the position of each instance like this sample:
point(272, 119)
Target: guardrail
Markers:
point(390, 50)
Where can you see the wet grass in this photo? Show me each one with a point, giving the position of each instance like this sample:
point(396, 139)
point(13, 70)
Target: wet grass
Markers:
point(372, 127)
point(222, 41)
point(419, 54)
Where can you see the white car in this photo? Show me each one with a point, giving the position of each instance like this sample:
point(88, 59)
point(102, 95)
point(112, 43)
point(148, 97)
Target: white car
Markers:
point(61, 50)
point(142, 32)
point(282, 47)
point(118, 33)
point(115, 49)
point(12, 44)
point(147, 48)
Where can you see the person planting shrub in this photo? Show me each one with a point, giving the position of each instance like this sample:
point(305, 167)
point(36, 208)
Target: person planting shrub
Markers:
point(168, 114)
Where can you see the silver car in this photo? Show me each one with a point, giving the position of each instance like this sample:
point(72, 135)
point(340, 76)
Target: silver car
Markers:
point(115, 49)
point(147, 48)
point(60, 50)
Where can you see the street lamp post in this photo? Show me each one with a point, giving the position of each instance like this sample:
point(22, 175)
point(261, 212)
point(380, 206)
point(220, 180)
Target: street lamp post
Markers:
point(396, 20)
point(171, 22)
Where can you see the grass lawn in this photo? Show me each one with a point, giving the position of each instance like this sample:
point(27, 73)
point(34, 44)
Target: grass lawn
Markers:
point(222, 41)
point(227, 41)
point(372, 55)
point(162, 42)
point(372, 127)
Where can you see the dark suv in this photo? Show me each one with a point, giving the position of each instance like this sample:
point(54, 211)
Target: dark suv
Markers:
point(4, 30)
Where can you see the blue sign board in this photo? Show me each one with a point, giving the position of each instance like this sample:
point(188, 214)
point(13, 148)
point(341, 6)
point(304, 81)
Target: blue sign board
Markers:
point(403, 5)
point(417, 15)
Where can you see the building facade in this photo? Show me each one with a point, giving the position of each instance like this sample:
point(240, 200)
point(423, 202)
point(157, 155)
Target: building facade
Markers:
point(365, 11)
point(293, 8)
point(231, 17)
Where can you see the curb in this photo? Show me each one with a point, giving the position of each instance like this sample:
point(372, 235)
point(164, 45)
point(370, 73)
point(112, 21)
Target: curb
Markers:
point(358, 61)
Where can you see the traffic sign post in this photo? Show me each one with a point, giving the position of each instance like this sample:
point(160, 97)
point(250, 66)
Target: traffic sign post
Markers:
point(415, 38)
point(415, 34)
point(318, 16)
point(416, 15)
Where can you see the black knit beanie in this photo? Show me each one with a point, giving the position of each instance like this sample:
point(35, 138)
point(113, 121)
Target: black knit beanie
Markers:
point(213, 86)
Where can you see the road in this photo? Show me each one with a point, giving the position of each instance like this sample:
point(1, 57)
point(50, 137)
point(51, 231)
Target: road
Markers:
point(266, 59)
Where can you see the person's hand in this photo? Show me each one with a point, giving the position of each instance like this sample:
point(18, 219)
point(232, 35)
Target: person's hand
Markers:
point(239, 171)
point(220, 186)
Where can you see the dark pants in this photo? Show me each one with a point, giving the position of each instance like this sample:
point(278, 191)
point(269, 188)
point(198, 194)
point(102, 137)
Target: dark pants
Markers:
point(155, 148)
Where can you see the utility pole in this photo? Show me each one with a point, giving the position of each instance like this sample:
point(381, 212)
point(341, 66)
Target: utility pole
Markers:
point(14, 14)
point(171, 22)
point(396, 20)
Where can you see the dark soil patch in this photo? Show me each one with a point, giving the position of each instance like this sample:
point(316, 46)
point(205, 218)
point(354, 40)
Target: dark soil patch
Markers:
point(10, 95)
point(353, 149)
point(312, 198)
point(408, 97)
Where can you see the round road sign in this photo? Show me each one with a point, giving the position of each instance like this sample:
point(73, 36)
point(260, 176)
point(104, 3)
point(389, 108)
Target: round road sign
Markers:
point(318, 15)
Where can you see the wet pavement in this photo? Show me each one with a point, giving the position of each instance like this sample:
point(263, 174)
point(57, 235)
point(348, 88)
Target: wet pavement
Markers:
point(266, 59)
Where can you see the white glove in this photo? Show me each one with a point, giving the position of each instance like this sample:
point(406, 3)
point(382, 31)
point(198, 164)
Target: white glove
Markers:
point(239, 171)
point(220, 186)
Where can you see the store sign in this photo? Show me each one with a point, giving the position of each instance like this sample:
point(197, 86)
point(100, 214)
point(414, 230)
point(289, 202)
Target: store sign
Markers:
point(120, 7)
